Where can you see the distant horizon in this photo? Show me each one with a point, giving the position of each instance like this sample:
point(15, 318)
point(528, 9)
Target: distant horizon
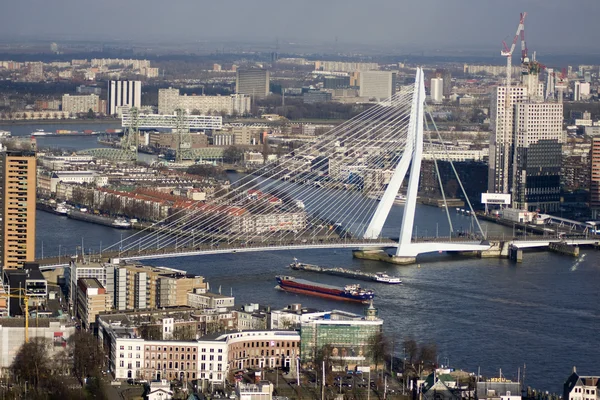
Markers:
point(427, 25)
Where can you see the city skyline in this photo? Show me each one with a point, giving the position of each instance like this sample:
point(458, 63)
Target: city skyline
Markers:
point(430, 24)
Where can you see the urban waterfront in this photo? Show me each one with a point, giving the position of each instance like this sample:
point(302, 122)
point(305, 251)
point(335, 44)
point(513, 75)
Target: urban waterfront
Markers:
point(489, 313)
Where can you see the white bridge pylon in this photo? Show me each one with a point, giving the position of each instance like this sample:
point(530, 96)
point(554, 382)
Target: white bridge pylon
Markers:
point(412, 156)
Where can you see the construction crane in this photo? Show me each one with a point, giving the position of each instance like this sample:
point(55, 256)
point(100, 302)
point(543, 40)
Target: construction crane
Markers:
point(131, 138)
point(184, 139)
point(506, 52)
point(22, 295)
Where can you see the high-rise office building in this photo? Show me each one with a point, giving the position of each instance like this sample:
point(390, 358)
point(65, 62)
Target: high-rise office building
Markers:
point(581, 91)
point(595, 177)
point(123, 94)
point(253, 82)
point(17, 207)
point(501, 122)
point(379, 85)
point(437, 90)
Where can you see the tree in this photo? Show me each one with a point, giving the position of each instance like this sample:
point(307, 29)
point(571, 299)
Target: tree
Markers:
point(90, 114)
point(411, 349)
point(379, 348)
point(428, 354)
point(88, 357)
point(233, 154)
point(32, 363)
point(150, 332)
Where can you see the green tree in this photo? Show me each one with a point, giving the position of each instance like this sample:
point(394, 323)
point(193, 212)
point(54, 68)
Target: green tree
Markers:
point(90, 114)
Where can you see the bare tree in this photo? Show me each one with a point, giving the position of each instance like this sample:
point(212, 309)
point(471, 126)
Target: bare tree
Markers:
point(88, 357)
point(411, 349)
point(32, 363)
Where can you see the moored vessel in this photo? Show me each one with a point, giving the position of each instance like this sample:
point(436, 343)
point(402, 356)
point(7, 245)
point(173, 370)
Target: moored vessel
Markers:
point(352, 293)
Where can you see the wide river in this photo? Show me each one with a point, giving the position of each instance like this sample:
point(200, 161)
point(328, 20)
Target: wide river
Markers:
point(493, 314)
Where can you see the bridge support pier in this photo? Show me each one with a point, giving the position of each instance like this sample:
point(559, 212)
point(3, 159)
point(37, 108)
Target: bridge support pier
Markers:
point(515, 254)
point(381, 255)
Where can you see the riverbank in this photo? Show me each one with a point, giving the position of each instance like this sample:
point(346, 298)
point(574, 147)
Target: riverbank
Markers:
point(59, 121)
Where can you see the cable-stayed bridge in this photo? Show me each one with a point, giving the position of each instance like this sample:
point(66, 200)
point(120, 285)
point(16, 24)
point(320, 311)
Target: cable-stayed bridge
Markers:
point(334, 193)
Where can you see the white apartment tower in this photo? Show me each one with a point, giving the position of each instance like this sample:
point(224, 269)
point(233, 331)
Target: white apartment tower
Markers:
point(123, 94)
point(437, 90)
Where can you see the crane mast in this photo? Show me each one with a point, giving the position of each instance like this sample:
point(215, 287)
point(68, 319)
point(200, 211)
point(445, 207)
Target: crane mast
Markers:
point(507, 52)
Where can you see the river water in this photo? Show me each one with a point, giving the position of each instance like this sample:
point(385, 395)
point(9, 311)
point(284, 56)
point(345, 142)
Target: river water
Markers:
point(492, 314)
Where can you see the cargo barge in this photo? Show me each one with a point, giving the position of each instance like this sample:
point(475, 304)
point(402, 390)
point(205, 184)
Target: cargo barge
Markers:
point(352, 293)
point(378, 277)
point(119, 223)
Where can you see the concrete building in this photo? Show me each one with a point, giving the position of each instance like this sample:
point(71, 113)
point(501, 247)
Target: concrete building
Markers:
point(253, 82)
point(165, 140)
point(201, 298)
point(130, 355)
point(437, 90)
point(81, 104)
point(12, 336)
point(92, 299)
point(123, 93)
point(378, 85)
point(293, 316)
point(160, 390)
point(537, 156)
point(595, 177)
point(29, 280)
point(146, 287)
point(250, 391)
point(340, 66)
point(169, 100)
point(581, 91)
point(350, 337)
point(501, 140)
point(17, 207)
point(261, 349)
point(579, 387)
point(316, 96)
point(103, 273)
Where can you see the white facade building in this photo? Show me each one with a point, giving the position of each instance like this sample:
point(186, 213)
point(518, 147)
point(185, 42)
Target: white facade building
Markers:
point(379, 85)
point(437, 90)
point(81, 103)
point(13, 337)
point(123, 93)
point(170, 100)
point(579, 387)
point(581, 91)
point(293, 315)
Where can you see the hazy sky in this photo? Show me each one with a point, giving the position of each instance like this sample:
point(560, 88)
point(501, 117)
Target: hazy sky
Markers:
point(551, 24)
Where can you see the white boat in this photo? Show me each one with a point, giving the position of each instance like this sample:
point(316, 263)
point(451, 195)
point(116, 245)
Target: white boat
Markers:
point(385, 278)
point(41, 132)
point(5, 134)
point(62, 209)
point(121, 223)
